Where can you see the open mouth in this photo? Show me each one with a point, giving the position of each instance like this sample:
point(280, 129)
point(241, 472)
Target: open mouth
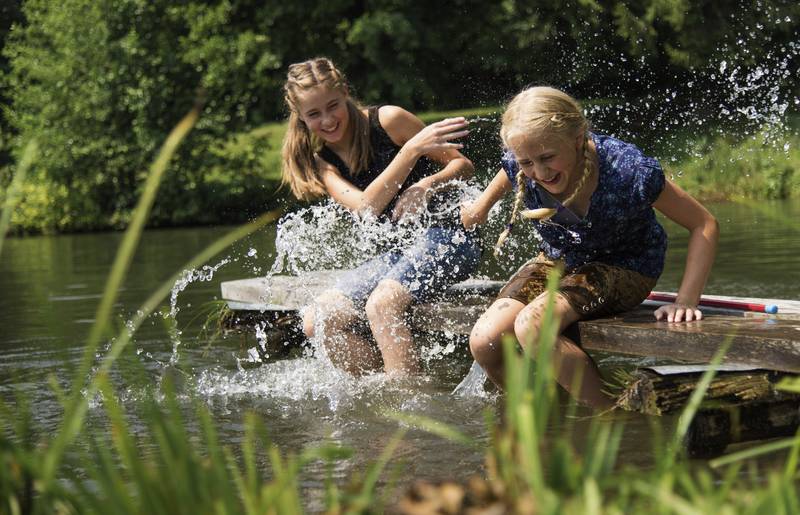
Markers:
point(331, 130)
point(552, 180)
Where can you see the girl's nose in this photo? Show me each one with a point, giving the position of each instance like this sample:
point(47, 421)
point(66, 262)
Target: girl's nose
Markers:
point(539, 170)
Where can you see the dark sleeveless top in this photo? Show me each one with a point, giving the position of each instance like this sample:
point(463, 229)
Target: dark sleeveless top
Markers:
point(383, 152)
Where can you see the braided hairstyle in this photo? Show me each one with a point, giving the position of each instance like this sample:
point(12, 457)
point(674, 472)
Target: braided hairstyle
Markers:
point(534, 113)
point(298, 163)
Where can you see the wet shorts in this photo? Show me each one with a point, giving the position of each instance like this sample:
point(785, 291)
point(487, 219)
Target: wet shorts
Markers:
point(439, 258)
point(593, 290)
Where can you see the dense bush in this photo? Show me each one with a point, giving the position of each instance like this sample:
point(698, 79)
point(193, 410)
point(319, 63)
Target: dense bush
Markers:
point(100, 83)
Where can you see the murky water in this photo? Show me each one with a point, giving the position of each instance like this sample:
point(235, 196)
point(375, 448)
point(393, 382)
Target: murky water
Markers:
point(51, 285)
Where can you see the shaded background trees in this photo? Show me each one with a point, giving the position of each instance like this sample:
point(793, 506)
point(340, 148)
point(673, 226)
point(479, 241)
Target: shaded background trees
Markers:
point(99, 83)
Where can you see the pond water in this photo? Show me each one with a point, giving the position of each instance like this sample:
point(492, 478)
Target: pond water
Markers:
point(51, 285)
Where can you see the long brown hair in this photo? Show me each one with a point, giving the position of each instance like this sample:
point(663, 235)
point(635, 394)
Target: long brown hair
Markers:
point(299, 166)
point(536, 112)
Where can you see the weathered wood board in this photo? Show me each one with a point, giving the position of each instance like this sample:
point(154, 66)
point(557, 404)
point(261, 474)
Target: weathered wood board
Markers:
point(739, 405)
point(766, 341)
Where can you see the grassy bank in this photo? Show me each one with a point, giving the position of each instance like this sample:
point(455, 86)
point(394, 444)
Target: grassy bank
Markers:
point(760, 166)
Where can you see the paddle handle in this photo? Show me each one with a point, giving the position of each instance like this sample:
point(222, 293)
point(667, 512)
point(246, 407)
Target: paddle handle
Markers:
point(729, 304)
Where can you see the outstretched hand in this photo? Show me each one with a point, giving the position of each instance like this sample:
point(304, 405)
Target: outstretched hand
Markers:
point(437, 137)
point(678, 312)
point(471, 216)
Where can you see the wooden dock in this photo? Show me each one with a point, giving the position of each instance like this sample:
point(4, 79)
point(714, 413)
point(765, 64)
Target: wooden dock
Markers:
point(770, 342)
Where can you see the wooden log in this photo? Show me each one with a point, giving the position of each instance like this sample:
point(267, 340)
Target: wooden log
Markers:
point(739, 405)
point(713, 429)
point(650, 392)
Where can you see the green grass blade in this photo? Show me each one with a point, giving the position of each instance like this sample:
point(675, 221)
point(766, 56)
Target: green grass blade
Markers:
point(76, 412)
point(364, 498)
point(685, 419)
point(12, 195)
point(434, 427)
point(753, 452)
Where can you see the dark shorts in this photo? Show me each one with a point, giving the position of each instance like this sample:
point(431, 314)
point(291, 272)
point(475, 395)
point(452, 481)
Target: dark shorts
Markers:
point(438, 259)
point(593, 290)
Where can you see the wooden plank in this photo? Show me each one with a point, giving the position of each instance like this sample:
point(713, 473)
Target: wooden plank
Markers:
point(763, 342)
point(766, 341)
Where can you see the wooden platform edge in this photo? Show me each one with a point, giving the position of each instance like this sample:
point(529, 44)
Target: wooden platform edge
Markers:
point(761, 340)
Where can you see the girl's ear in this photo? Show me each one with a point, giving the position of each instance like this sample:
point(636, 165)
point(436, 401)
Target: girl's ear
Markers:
point(579, 143)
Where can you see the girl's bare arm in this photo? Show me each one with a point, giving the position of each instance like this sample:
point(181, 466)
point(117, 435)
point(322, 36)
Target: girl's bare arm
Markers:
point(703, 228)
point(415, 140)
point(476, 212)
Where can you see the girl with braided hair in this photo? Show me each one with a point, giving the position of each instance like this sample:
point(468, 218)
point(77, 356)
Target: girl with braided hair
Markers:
point(591, 199)
point(376, 162)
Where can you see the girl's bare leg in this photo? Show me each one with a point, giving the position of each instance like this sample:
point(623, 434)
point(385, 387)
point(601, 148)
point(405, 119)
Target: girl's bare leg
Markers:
point(485, 340)
point(575, 371)
point(333, 320)
point(386, 311)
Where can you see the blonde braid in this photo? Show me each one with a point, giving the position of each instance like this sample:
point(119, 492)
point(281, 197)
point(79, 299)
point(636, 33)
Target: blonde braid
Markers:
point(518, 201)
point(587, 170)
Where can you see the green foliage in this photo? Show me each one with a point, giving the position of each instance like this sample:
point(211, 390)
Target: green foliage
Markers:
point(99, 83)
point(761, 166)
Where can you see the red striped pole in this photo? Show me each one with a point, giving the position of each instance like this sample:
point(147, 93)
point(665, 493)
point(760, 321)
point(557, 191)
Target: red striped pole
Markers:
point(729, 304)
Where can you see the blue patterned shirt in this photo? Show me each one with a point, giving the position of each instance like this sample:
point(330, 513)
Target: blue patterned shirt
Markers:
point(620, 228)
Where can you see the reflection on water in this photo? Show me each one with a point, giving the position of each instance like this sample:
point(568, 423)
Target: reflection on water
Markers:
point(50, 287)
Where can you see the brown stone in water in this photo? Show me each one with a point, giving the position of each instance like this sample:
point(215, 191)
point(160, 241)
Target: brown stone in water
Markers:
point(478, 497)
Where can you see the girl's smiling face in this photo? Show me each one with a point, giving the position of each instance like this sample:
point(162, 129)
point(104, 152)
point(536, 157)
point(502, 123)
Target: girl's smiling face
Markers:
point(324, 111)
point(553, 162)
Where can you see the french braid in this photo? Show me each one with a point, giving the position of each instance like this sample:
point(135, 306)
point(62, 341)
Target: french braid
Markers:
point(587, 170)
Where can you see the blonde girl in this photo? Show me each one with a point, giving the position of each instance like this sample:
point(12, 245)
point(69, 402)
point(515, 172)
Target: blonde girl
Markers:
point(610, 248)
point(376, 162)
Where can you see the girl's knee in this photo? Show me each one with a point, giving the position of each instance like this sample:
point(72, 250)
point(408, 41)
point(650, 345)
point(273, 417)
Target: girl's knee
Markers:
point(528, 323)
point(484, 344)
point(308, 322)
point(332, 309)
point(388, 298)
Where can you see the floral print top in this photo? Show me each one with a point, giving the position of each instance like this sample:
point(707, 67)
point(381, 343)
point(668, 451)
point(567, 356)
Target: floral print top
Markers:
point(620, 227)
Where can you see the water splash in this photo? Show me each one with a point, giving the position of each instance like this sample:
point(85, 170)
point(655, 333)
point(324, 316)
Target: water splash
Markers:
point(472, 384)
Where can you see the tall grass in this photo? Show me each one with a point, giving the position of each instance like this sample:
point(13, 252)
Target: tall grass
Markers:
point(12, 196)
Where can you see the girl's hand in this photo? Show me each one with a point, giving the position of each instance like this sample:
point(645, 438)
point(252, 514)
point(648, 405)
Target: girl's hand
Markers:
point(437, 137)
point(471, 216)
point(678, 312)
point(411, 202)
